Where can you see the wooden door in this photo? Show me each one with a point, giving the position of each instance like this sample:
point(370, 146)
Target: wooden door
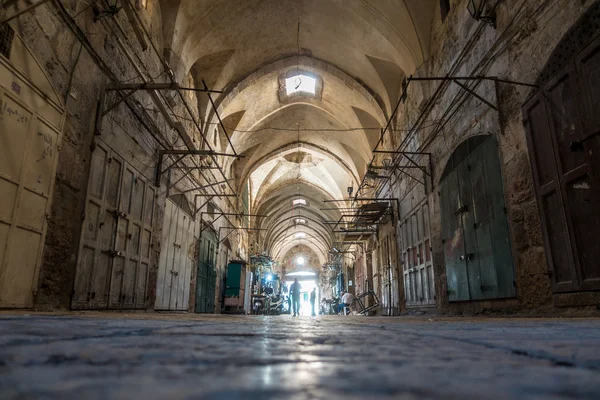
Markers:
point(206, 275)
point(417, 262)
point(31, 121)
point(563, 135)
point(165, 262)
point(115, 248)
point(175, 262)
point(390, 303)
point(182, 263)
point(29, 150)
point(475, 234)
point(586, 201)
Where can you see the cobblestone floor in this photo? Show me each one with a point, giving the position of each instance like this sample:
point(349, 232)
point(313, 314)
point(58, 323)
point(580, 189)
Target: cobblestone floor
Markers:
point(117, 356)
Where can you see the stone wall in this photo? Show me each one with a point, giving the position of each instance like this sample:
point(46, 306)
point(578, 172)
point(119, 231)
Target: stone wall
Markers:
point(136, 129)
point(517, 49)
point(288, 261)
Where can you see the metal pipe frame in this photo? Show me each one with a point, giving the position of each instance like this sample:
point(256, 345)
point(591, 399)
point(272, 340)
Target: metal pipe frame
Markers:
point(179, 126)
point(444, 81)
point(233, 229)
point(156, 86)
point(182, 154)
point(401, 99)
point(17, 14)
point(218, 116)
point(473, 78)
point(145, 119)
point(203, 187)
point(227, 214)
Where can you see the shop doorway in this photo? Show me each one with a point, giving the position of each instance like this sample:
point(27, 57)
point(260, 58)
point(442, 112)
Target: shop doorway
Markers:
point(308, 283)
point(475, 235)
point(207, 273)
point(31, 121)
point(563, 135)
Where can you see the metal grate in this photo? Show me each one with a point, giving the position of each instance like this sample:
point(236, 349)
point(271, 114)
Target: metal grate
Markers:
point(6, 39)
point(581, 34)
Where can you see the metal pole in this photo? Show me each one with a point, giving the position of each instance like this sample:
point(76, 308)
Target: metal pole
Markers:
point(23, 11)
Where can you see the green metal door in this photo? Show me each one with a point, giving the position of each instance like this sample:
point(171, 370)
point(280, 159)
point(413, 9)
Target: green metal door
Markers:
point(206, 276)
point(475, 232)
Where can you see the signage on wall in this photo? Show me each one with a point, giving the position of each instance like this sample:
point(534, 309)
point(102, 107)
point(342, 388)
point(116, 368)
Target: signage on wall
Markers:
point(349, 283)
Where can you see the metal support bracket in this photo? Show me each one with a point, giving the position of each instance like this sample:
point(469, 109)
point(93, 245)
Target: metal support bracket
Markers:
point(182, 153)
point(408, 155)
point(228, 214)
point(7, 4)
point(218, 116)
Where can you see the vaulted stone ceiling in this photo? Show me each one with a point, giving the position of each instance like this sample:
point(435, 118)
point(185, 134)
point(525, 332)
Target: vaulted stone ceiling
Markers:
point(300, 146)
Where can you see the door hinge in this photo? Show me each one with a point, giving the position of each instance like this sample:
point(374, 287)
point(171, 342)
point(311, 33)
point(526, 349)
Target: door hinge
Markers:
point(461, 210)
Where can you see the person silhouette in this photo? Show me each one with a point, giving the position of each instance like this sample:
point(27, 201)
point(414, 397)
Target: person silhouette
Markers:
point(295, 289)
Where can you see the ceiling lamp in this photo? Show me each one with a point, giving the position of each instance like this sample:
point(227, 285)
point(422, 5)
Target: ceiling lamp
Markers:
point(479, 10)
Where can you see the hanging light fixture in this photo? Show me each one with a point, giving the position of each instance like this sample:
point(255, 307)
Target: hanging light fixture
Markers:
point(480, 12)
point(112, 9)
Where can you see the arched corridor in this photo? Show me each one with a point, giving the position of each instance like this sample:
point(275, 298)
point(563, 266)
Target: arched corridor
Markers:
point(165, 160)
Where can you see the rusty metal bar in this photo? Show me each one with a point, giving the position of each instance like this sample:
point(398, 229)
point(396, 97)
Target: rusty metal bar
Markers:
point(415, 164)
point(179, 180)
point(209, 225)
point(156, 86)
point(397, 167)
point(173, 164)
point(183, 153)
point(216, 195)
point(473, 78)
point(218, 116)
point(203, 204)
point(473, 93)
point(21, 12)
point(203, 187)
point(401, 99)
point(403, 152)
point(116, 103)
point(198, 153)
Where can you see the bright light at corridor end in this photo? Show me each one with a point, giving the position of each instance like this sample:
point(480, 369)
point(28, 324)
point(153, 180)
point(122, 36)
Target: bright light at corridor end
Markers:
point(300, 260)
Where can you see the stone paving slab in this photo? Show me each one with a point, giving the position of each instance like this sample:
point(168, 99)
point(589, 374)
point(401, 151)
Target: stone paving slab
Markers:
point(153, 356)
